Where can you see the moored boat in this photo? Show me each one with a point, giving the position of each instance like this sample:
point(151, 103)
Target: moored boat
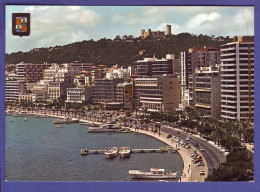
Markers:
point(12, 119)
point(105, 128)
point(25, 119)
point(124, 152)
point(58, 126)
point(84, 151)
point(111, 152)
point(155, 173)
point(67, 120)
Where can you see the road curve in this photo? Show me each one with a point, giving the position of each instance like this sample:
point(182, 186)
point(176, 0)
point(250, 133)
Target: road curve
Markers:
point(212, 155)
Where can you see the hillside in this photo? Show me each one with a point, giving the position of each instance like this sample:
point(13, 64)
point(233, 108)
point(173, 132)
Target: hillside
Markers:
point(117, 51)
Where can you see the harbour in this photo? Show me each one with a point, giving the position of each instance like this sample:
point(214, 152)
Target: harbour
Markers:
point(37, 151)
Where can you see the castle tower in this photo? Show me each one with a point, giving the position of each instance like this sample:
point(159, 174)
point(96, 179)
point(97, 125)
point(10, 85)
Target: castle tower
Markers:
point(142, 32)
point(168, 30)
point(149, 32)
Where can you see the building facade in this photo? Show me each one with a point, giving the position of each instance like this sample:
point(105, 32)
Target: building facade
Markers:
point(237, 79)
point(157, 94)
point(207, 93)
point(104, 90)
point(153, 67)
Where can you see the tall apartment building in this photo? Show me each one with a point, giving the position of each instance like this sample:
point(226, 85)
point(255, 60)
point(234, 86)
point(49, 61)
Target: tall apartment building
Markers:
point(13, 87)
point(192, 60)
point(153, 67)
point(78, 95)
point(237, 79)
point(207, 94)
point(31, 72)
point(104, 90)
point(157, 94)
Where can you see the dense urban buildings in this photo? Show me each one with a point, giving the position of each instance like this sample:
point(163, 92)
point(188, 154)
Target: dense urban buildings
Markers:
point(237, 79)
point(217, 82)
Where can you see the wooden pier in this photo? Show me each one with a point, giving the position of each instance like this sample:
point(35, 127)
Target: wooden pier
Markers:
point(140, 150)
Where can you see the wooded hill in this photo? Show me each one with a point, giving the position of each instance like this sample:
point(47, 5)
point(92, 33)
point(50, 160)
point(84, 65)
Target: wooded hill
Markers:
point(124, 51)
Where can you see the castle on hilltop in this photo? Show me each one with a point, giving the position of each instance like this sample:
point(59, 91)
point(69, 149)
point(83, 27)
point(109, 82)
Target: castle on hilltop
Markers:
point(156, 34)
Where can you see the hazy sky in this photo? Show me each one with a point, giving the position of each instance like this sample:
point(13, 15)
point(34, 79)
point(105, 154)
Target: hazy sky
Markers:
point(60, 25)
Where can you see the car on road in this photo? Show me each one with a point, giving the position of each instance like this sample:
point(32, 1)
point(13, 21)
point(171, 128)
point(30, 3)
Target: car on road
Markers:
point(178, 132)
point(196, 145)
point(202, 172)
point(187, 147)
point(202, 149)
point(187, 139)
point(200, 163)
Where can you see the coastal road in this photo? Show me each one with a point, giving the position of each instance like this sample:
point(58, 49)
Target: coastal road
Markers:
point(212, 155)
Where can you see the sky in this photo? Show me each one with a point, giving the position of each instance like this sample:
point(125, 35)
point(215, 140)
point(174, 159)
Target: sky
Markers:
point(61, 25)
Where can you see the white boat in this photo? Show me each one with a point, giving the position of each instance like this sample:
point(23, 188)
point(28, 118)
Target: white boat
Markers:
point(84, 151)
point(124, 152)
point(104, 128)
point(155, 173)
point(111, 152)
point(67, 120)
point(25, 119)
point(58, 126)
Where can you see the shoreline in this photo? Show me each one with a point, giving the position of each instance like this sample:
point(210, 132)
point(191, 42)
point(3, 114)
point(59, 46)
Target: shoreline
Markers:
point(188, 167)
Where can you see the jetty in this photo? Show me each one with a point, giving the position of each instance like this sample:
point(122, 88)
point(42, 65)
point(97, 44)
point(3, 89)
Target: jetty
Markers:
point(138, 150)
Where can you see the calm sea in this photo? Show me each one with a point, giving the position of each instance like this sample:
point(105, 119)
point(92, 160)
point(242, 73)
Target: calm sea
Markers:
point(37, 151)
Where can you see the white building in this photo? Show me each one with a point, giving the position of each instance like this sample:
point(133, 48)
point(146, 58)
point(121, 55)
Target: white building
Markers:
point(78, 95)
point(119, 73)
point(237, 79)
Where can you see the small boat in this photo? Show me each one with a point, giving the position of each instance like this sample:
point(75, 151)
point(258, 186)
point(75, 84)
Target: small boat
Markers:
point(25, 119)
point(155, 173)
point(58, 126)
point(67, 120)
point(84, 151)
point(137, 133)
point(12, 119)
point(111, 152)
point(124, 152)
point(105, 128)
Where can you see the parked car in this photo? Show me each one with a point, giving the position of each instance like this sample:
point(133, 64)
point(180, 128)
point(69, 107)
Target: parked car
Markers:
point(202, 149)
point(187, 147)
point(196, 145)
point(187, 139)
point(202, 172)
point(169, 136)
point(178, 132)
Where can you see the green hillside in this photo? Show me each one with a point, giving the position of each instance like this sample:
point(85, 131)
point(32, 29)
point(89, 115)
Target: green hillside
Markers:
point(116, 51)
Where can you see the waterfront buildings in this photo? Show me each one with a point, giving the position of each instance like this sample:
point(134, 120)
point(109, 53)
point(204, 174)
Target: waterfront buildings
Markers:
point(124, 94)
point(206, 92)
point(193, 59)
point(104, 90)
point(237, 79)
point(152, 67)
point(55, 89)
point(157, 94)
point(78, 95)
point(12, 87)
point(30, 72)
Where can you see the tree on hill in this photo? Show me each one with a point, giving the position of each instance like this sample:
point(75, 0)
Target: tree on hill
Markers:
point(110, 52)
